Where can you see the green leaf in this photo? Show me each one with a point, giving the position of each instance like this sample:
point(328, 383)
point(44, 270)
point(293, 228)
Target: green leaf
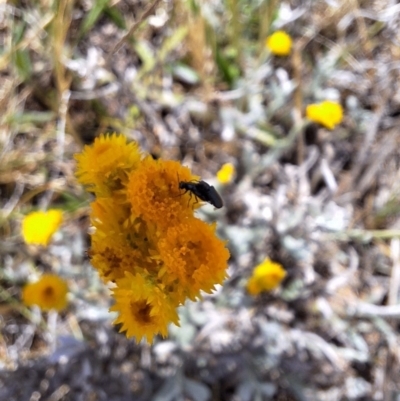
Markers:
point(146, 56)
point(23, 64)
point(32, 117)
point(93, 15)
point(72, 203)
point(18, 32)
point(185, 74)
point(114, 14)
point(228, 69)
point(172, 42)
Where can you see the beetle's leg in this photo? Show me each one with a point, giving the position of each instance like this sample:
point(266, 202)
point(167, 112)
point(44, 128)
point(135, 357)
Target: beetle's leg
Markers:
point(190, 197)
point(196, 198)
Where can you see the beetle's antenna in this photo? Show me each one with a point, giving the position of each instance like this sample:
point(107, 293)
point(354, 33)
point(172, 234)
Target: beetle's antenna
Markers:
point(179, 187)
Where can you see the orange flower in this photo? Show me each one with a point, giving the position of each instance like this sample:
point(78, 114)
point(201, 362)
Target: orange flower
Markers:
point(193, 256)
point(266, 276)
point(153, 191)
point(50, 292)
point(145, 237)
point(39, 227)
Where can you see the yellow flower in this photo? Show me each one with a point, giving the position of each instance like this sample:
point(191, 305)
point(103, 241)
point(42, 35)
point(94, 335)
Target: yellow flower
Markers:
point(145, 237)
point(144, 309)
point(121, 243)
point(112, 259)
point(39, 227)
point(327, 113)
point(226, 173)
point(266, 276)
point(50, 292)
point(194, 257)
point(103, 166)
point(153, 191)
point(279, 43)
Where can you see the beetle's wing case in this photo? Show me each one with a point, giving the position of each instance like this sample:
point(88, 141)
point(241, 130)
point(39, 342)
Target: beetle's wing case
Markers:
point(215, 198)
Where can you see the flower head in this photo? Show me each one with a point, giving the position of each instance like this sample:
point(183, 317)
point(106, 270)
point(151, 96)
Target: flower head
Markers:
point(144, 308)
point(226, 173)
point(279, 43)
point(327, 113)
point(153, 191)
point(50, 292)
point(145, 237)
point(121, 242)
point(103, 167)
point(38, 227)
point(194, 258)
point(266, 276)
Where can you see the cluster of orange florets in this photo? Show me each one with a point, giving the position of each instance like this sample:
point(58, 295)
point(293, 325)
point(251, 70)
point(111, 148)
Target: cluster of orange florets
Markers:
point(146, 238)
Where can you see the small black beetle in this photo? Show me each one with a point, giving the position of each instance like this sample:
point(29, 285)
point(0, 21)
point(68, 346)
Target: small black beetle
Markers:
point(203, 191)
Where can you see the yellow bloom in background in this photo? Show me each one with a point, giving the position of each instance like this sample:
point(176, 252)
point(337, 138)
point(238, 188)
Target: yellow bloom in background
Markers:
point(38, 227)
point(279, 43)
point(226, 173)
point(146, 239)
point(266, 276)
point(326, 113)
point(50, 292)
point(103, 166)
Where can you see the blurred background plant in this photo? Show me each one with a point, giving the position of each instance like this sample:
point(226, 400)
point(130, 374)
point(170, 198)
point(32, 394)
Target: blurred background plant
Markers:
point(196, 81)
